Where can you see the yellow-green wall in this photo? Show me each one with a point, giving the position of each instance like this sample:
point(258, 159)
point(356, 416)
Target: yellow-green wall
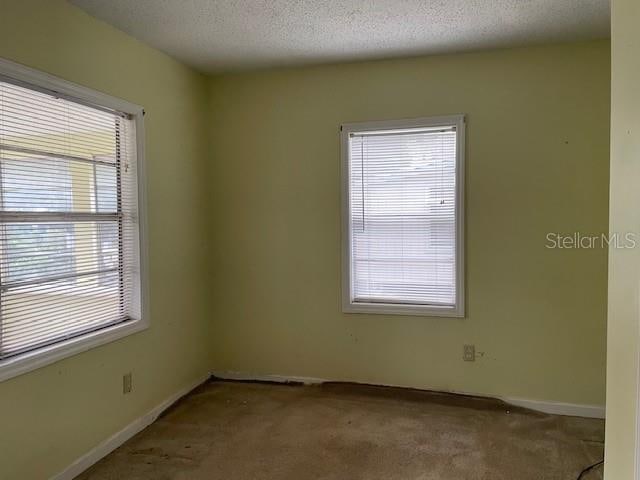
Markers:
point(53, 415)
point(244, 229)
point(537, 162)
point(624, 265)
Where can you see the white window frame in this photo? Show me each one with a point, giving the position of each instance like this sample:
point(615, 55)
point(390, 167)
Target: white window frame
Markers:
point(348, 305)
point(41, 357)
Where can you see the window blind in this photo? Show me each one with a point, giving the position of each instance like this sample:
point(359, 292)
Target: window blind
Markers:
point(69, 251)
point(403, 216)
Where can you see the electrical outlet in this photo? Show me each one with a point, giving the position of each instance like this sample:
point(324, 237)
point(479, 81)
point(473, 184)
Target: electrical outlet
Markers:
point(469, 353)
point(126, 383)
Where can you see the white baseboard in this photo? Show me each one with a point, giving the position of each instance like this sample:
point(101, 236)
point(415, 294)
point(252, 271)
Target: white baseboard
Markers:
point(110, 444)
point(559, 408)
point(556, 408)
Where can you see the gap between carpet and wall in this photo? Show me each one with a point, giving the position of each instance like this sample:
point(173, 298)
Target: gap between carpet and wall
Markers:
point(110, 444)
point(555, 408)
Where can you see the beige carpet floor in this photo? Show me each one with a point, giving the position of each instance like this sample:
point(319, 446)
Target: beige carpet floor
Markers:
point(252, 431)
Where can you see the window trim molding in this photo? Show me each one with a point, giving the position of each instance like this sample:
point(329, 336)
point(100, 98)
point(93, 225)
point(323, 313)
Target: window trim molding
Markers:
point(26, 362)
point(348, 305)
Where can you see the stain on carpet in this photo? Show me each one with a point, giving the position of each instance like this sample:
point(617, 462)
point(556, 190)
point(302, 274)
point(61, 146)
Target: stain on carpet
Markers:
point(334, 431)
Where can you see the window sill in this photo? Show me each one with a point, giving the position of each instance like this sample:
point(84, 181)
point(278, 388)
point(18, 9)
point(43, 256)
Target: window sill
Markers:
point(20, 364)
point(398, 309)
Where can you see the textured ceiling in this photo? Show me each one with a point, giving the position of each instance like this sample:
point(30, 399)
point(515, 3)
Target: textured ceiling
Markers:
point(225, 35)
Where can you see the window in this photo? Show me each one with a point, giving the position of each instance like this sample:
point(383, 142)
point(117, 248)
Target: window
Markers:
point(71, 268)
point(403, 217)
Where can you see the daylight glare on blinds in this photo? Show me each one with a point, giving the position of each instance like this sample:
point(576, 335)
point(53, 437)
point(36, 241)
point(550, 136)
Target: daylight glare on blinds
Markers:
point(403, 216)
point(69, 261)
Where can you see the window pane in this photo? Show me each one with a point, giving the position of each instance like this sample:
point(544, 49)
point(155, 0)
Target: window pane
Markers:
point(36, 184)
point(50, 184)
point(106, 188)
point(36, 121)
point(44, 250)
point(38, 314)
point(37, 250)
point(403, 238)
point(108, 245)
